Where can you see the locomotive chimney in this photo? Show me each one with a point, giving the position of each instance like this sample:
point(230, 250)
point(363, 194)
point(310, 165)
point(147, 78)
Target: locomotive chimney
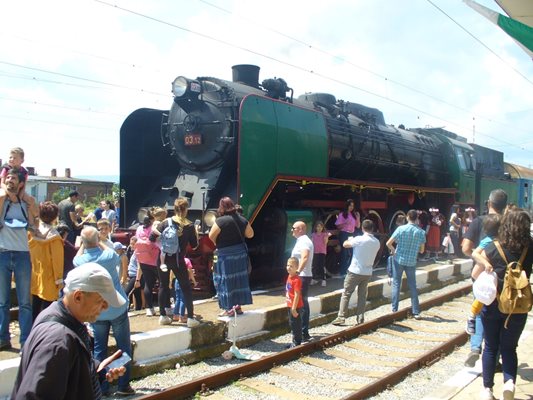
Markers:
point(53, 173)
point(246, 74)
point(67, 172)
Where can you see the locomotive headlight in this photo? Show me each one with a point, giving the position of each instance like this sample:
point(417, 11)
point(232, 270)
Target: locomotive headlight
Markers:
point(186, 88)
point(179, 86)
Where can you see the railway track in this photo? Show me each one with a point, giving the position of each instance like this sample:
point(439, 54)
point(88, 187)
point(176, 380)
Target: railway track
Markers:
point(354, 363)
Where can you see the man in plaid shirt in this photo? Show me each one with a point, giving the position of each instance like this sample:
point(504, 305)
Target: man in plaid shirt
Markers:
point(410, 240)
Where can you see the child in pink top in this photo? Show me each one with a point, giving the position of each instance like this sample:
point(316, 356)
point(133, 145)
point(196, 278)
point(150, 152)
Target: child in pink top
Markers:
point(320, 243)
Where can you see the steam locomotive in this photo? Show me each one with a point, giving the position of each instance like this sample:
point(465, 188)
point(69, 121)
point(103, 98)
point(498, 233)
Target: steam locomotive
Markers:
point(285, 159)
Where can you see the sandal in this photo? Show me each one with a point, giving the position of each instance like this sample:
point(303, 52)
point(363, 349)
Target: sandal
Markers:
point(238, 310)
point(227, 313)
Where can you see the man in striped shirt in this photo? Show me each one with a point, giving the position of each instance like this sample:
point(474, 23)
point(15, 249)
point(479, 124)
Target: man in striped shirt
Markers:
point(410, 240)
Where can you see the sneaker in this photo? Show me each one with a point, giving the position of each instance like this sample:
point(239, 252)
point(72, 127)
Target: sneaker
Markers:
point(192, 322)
point(5, 345)
point(360, 319)
point(164, 320)
point(471, 326)
point(323, 283)
point(127, 391)
point(417, 317)
point(313, 282)
point(150, 312)
point(473, 356)
point(486, 394)
point(508, 390)
point(306, 338)
point(338, 321)
point(163, 267)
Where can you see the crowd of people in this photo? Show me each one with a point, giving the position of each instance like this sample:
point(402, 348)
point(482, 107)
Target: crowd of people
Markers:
point(56, 266)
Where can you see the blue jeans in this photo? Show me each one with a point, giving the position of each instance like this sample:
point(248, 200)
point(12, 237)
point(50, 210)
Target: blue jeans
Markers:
point(296, 327)
point(306, 280)
point(18, 263)
point(179, 301)
point(410, 273)
point(121, 333)
point(477, 339)
point(504, 339)
point(346, 254)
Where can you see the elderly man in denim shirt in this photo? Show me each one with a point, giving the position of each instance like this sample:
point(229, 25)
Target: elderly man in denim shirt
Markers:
point(410, 240)
point(93, 250)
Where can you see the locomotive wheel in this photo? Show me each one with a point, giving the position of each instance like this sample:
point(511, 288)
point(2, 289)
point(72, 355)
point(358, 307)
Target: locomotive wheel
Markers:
point(392, 219)
point(374, 216)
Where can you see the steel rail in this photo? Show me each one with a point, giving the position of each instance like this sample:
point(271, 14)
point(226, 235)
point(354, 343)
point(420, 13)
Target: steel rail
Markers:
point(205, 383)
point(397, 376)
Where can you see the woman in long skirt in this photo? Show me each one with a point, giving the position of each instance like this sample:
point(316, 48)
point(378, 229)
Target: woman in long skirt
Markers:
point(231, 270)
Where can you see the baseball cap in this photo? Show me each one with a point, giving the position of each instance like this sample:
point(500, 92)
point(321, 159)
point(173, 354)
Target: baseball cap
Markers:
point(118, 246)
point(92, 277)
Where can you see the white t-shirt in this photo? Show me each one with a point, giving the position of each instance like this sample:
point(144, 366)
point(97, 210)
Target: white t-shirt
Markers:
point(365, 248)
point(304, 243)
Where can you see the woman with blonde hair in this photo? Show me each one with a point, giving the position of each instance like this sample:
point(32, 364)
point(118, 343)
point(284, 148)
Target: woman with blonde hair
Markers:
point(187, 236)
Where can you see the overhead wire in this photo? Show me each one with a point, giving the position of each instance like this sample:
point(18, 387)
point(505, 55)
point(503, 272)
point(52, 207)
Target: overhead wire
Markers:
point(268, 57)
point(55, 123)
point(58, 106)
point(110, 84)
point(292, 65)
point(480, 42)
point(352, 64)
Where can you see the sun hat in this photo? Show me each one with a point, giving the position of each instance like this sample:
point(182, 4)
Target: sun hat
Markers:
point(118, 246)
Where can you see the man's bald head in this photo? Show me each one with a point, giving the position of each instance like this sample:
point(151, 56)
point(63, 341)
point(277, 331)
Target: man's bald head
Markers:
point(89, 237)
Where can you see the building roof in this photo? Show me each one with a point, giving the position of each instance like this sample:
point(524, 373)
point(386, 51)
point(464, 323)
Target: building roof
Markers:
point(64, 180)
point(518, 172)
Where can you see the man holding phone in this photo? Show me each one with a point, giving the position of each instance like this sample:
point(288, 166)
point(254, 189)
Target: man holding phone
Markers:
point(57, 360)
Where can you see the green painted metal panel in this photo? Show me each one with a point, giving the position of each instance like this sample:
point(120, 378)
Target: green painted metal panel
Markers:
point(467, 188)
point(277, 138)
point(488, 184)
point(293, 216)
point(302, 142)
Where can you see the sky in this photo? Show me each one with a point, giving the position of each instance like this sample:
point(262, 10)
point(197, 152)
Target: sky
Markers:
point(72, 71)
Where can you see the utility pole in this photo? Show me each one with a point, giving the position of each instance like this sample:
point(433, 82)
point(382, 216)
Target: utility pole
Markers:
point(474, 130)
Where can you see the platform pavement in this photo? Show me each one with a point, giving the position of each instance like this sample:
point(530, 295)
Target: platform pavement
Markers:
point(467, 384)
point(156, 347)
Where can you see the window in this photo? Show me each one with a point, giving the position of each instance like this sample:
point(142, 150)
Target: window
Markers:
point(460, 158)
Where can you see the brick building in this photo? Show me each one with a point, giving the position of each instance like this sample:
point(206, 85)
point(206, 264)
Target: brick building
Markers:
point(44, 187)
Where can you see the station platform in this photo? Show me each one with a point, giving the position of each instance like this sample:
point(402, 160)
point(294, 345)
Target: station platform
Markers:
point(467, 383)
point(158, 347)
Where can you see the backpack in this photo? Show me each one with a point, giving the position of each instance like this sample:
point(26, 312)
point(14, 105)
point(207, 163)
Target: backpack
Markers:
point(516, 296)
point(169, 238)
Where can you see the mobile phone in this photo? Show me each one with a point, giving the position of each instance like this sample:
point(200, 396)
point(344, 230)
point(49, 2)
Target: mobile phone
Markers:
point(120, 362)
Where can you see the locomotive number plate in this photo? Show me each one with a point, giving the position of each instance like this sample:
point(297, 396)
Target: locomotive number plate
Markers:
point(193, 139)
